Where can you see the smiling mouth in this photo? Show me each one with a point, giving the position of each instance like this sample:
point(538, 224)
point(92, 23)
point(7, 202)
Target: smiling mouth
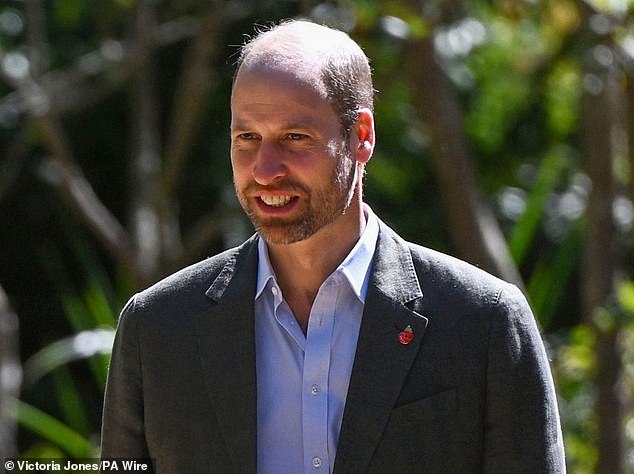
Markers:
point(277, 201)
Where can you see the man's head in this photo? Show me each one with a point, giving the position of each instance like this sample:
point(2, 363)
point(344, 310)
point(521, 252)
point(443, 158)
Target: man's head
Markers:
point(330, 58)
point(301, 130)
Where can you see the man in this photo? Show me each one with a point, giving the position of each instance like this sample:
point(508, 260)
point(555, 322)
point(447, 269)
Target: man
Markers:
point(325, 343)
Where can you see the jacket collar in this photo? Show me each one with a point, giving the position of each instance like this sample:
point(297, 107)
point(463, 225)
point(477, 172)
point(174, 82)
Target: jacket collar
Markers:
point(382, 362)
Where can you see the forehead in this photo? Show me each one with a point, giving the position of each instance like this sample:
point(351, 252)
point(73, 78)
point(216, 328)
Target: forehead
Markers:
point(286, 75)
point(263, 92)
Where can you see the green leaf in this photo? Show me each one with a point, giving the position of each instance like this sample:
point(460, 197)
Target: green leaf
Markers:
point(70, 400)
point(53, 430)
point(563, 98)
point(99, 365)
point(69, 12)
point(548, 281)
point(76, 312)
point(550, 172)
point(99, 306)
point(84, 345)
point(626, 296)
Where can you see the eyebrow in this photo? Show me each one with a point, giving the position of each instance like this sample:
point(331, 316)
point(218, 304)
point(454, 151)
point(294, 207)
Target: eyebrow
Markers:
point(308, 123)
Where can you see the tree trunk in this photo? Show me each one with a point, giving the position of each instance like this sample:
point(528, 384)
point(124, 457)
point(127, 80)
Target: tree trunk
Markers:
point(602, 96)
point(472, 223)
point(145, 163)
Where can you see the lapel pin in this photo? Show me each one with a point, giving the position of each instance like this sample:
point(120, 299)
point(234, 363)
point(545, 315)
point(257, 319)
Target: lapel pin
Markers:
point(406, 335)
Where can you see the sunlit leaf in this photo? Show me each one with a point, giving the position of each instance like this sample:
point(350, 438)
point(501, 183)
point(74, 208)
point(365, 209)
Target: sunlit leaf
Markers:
point(98, 305)
point(626, 296)
point(563, 96)
point(84, 345)
point(43, 449)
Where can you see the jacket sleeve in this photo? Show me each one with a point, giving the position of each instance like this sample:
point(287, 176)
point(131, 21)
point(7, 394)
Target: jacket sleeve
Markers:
point(122, 432)
point(522, 427)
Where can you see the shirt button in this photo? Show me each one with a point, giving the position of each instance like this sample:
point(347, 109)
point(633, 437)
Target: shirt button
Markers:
point(314, 390)
point(274, 291)
point(316, 462)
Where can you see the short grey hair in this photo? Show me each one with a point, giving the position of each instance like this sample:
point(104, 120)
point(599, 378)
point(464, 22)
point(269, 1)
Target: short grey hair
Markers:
point(344, 69)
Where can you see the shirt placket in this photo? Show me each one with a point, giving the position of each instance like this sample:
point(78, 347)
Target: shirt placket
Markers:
point(315, 380)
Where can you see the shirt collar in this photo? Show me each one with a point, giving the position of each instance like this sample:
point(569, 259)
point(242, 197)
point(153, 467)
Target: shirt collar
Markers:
point(355, 267)
point(265, 270)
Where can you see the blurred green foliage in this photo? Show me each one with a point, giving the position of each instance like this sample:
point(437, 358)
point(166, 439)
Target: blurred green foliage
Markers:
point(518, 70)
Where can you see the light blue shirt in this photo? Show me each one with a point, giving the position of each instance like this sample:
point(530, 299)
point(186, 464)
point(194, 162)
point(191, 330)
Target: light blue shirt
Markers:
point(302, 381)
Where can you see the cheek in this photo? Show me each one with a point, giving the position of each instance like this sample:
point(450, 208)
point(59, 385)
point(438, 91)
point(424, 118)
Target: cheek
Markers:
point(241, 179)
point(240, 164)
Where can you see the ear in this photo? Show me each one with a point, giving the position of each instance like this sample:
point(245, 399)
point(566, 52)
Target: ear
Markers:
point(363, 136)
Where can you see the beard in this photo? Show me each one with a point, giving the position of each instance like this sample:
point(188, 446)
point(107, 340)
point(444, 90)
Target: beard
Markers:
point(321, 206)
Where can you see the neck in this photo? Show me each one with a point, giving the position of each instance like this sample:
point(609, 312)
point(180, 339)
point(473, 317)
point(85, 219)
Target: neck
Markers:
point(302, 267)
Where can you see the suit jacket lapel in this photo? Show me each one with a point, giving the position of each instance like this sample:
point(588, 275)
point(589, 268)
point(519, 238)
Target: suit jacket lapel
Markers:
point(227, 348)
point(382, 361)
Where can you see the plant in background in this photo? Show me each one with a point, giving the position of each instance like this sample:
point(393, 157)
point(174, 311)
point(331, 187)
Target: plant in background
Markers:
point(55, 376)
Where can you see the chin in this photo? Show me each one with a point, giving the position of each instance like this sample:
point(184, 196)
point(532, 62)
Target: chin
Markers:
point(278, 235)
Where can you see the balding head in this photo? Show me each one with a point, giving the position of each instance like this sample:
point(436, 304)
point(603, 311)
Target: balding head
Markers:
point(325, 58)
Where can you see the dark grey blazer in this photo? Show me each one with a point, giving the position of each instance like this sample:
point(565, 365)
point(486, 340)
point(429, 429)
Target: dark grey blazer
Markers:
point(471, 393)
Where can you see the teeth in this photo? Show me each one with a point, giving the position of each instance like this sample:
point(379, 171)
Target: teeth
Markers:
point(276, 201)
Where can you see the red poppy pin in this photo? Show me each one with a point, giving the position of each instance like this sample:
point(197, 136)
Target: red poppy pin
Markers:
point(406, 335)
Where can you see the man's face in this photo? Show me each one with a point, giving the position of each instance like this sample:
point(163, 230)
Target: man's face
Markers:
point(292, 169)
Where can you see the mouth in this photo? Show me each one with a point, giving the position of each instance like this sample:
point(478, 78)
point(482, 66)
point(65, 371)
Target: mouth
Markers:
point(276, 204)
point(277, 201)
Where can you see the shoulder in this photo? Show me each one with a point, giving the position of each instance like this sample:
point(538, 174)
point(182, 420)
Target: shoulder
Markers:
point(471, 304)
point(438, 269)
point(195, 278)
point(444, 278)
point(467, 292)
point(188, 288)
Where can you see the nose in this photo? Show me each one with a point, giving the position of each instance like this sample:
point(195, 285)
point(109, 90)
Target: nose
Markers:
point(269, 164)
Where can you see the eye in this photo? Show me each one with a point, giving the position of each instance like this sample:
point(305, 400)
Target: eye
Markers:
point(247, 136)
point(296, 136)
